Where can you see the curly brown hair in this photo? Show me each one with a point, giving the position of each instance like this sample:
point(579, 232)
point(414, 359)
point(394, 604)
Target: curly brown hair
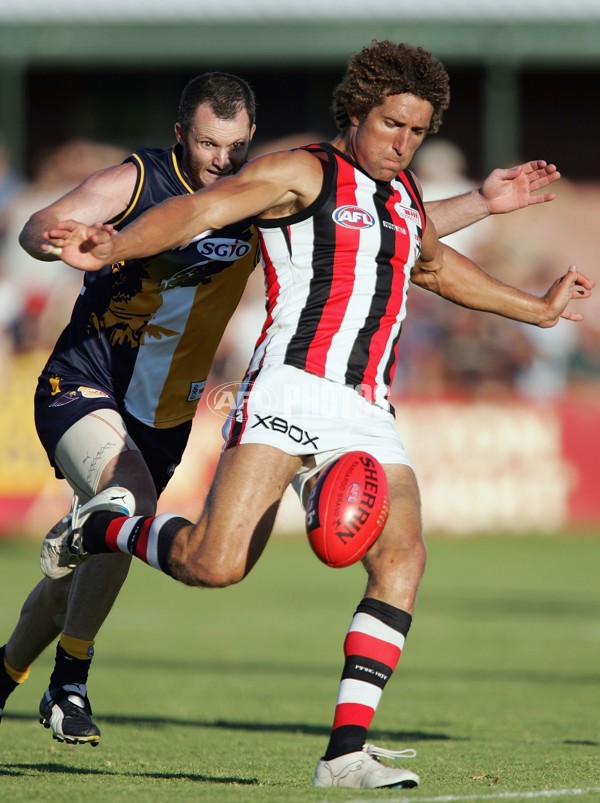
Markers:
point(388, 68)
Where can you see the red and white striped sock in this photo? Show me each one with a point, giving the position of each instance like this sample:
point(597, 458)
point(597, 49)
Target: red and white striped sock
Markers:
point(148, 538)
point(372, 648)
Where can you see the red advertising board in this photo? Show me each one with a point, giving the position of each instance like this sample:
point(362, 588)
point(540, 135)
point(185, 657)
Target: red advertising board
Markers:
point(482, 466)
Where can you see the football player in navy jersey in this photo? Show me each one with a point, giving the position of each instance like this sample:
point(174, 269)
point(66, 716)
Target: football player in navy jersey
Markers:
point(115, 402)
point(343, 231)
point(128, 314)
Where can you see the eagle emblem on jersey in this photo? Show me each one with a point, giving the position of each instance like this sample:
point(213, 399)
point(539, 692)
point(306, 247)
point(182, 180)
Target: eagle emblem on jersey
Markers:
point(139, 287)
point(133, 304)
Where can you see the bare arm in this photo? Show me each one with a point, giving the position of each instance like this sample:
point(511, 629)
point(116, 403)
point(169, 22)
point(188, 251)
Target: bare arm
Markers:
point(272, 185)
point(444, 271)
point(102, 196)
point(504, 190)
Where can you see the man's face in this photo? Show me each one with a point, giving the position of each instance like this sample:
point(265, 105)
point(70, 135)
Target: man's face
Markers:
point(213, 148)
point(385, 141)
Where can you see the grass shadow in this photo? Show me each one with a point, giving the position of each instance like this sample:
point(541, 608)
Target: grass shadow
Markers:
point(27, 770)
point(252, 727)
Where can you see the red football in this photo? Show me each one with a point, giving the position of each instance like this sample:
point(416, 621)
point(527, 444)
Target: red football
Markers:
point(347, 509)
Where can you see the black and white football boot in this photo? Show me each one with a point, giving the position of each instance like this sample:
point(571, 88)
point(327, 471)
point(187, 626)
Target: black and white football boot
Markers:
point(68, 713)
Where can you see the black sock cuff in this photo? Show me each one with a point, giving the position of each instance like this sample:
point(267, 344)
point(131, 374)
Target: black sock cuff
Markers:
point(68, 669)
point(93, 532)
point(168, 531)
point(395, 618)
point(345, 739)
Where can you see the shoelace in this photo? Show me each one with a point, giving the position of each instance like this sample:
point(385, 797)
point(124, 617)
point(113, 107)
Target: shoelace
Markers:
point(375, 751)
point(74, 512)
point(75, 544)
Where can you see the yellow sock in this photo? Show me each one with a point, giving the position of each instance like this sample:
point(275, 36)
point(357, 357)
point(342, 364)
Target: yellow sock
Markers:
point(18, 675)
point(76, 647)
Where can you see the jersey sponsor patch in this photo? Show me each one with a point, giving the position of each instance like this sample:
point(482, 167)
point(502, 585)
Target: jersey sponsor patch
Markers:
point(216, 254)
point(393, 226)
point(353, 217)
point(223, 249)
point(407, 213)
point(196, 391)
point(91, 393)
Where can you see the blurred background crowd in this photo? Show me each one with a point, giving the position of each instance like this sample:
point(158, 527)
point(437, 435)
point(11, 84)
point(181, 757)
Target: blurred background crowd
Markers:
point(502, 420)
point(447, 352)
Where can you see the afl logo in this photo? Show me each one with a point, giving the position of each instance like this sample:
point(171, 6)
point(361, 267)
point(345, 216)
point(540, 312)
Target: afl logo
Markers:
point(353, 217)
point(353, 493)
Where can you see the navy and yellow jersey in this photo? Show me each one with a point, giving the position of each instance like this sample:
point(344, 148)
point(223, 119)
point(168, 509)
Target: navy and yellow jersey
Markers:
point(146, 330)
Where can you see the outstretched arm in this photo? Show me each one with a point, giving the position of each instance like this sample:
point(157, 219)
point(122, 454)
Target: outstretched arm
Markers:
point(453, 276)
point(170, 224)
point(102, 196)
point(504, 190)
point(278, 181)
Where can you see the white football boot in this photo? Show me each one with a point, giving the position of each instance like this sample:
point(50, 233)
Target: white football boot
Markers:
point(363, 770)
point(62, 548)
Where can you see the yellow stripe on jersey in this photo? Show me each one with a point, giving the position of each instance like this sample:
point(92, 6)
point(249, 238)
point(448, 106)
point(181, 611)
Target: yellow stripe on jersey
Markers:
point(211, 309)
point(137, 191)
point(177, 169)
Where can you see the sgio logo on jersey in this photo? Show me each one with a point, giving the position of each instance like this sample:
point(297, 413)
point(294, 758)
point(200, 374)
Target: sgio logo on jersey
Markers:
point(223, 249)
point(353, 217)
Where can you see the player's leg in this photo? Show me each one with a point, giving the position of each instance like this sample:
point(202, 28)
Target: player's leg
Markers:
point(374, 643)
point(94, 454)
point(231, 533)
point(61, 428)
point(396, 561)
point(257, 465)
point(96, 584)
point(40, 621)
point(238, 516)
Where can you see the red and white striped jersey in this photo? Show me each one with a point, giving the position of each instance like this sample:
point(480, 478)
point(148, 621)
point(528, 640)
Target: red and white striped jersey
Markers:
point(337, 276)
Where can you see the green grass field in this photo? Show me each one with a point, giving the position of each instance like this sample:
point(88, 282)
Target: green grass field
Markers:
point(228, 695)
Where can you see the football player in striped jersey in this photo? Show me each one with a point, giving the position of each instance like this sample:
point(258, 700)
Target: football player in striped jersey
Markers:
point(343, 232)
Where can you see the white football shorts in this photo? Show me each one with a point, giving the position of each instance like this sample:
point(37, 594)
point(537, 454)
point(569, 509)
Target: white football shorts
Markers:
point(312, 417)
